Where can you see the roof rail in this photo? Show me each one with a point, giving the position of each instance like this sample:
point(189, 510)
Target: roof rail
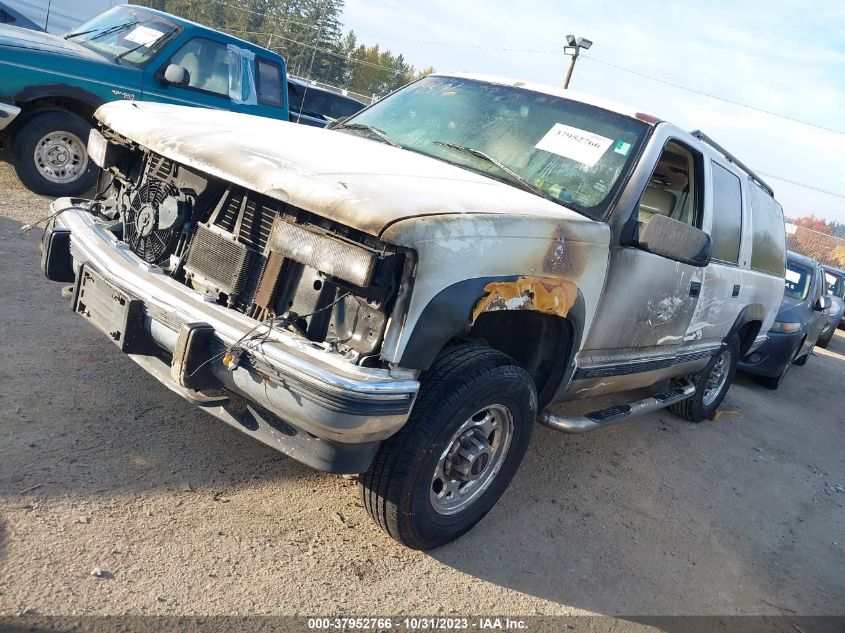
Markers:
point(706, 139)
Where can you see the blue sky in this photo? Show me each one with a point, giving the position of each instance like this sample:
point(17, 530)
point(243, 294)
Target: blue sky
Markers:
point(784, 57)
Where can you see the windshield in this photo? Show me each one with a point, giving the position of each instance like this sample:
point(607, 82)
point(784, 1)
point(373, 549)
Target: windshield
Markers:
point(797, 281)
point(125, 34)
point(575, 154)
point(835, 285)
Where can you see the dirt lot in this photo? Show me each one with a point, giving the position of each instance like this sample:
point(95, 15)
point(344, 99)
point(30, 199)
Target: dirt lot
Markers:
point(101, 467)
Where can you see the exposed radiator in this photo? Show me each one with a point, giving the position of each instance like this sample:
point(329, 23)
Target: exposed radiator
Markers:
point(220, 260)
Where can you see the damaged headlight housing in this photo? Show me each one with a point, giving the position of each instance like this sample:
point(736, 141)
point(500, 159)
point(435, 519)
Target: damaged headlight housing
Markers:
point(335, 257)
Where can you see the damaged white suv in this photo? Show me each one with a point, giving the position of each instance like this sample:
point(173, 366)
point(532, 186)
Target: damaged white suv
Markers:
point(403, 295)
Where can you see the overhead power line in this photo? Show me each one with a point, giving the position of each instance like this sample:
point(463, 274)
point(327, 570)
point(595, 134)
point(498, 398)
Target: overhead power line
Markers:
point(804, 185)
point(618, 67)
point(712, 96)
point(317, 48)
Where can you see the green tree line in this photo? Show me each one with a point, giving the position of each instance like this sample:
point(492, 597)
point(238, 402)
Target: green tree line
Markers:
point(308, 34)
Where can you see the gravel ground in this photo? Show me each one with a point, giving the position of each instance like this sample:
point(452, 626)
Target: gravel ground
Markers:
point(101, 468)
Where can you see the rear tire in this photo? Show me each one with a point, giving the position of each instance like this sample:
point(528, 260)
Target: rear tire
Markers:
point(466, 436)
point(824, 342)
point(50, 154)
point(711, 384)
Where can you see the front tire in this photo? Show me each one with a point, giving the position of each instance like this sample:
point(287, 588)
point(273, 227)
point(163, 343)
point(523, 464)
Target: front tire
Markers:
point(50, 154)
point(466, 436)
point(711, 384)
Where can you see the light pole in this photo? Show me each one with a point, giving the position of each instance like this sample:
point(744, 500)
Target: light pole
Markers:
point(573, 48)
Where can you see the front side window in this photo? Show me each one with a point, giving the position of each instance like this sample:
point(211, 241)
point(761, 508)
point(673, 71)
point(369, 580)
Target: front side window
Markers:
point(127, 35)
point(727, 215)
point(574, 154)
point(207, 63)
point(835, 284)
point(673, 189)
point(797, 281)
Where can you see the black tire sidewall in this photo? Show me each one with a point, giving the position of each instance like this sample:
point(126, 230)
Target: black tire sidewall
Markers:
point(32, 130)
point(432, 528)
point(702, 411)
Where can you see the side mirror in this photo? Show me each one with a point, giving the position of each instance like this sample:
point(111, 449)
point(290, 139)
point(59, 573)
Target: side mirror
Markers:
point(676, 240)
point(823, 303)
point(335, 122)
point(177, 75)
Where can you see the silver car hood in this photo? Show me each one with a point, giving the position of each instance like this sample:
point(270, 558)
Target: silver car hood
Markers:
point(355, 181)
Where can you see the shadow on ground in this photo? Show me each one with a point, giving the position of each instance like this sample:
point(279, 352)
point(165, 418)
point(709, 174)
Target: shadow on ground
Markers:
point(658, 515)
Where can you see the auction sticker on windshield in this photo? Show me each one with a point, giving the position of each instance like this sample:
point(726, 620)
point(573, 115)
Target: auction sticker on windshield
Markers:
point(578, 145)
point(143, 35)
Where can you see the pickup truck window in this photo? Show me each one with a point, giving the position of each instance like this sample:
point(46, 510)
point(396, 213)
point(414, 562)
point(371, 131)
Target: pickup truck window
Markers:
point(574, 153)
point(674, 189)
point(126, 34)
point(207, 63)
point(269, 83)
point(727, 215)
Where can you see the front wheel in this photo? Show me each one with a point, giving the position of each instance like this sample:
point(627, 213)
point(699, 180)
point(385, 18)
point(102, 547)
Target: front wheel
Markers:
point(50, 154)
point(711, 384)
point(465, 438)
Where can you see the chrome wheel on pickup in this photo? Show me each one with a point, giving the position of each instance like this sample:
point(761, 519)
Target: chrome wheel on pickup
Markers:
point(50, 154)
point(472, 459)
point(711, 384)
point(467, 434)
point(718, 376)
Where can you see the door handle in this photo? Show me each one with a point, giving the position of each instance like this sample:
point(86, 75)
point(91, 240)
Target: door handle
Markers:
point(735, 293)
point(694, 288)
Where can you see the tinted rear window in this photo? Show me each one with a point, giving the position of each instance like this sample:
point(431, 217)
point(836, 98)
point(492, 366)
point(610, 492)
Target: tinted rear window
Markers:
point(768, 244)
point(727, 215)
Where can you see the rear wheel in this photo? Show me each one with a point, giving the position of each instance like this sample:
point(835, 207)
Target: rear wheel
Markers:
point(466, 437)
point(50, 154)
point(711, 384)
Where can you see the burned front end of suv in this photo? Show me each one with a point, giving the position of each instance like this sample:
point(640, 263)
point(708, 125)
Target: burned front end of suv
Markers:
point(268, 316)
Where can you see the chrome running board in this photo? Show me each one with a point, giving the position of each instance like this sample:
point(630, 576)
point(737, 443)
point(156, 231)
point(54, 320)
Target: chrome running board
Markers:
point(617, 413)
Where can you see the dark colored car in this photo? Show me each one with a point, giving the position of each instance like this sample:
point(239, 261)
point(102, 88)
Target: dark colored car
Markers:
point(836, 288)
point(312, 105)
point(800, 320)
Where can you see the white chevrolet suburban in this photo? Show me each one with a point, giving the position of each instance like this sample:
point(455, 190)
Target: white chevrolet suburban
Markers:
point(403, 295)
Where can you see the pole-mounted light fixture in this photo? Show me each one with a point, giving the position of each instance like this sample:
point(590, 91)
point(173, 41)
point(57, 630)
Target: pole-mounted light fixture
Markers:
point(573, 48)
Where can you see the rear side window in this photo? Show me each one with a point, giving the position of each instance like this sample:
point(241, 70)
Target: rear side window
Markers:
point(269, 83)
point(768, 246)
point(727, 215)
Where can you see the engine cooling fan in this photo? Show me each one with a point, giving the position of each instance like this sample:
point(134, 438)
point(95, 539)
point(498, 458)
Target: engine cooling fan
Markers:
point(151, 225)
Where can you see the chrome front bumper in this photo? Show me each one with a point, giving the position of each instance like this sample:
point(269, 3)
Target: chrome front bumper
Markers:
point(8, 112)
point(315, 391)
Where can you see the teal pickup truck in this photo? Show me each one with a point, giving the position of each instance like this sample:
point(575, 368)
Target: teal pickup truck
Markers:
point(50, 86)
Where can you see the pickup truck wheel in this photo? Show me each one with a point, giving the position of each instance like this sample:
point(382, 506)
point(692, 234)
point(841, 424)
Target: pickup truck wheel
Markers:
point(711, 384)
point(465, 438)
point(50, 154)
